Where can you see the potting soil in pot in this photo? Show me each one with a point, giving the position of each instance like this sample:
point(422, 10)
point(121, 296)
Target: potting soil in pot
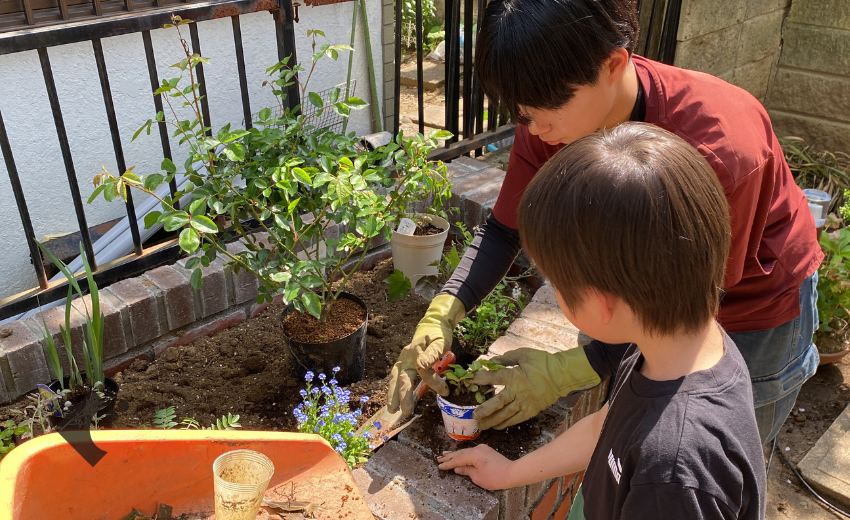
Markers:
point(427, 230)
point(344, 318)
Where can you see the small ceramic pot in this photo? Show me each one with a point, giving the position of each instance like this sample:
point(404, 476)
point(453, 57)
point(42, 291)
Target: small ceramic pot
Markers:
point(458, 420)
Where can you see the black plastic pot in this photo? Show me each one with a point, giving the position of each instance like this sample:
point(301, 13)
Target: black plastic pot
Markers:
point(108, 409)
point(462, 356)
point(348, 353)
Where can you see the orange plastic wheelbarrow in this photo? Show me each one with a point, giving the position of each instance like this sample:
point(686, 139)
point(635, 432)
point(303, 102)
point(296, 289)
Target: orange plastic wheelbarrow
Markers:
point(46, 478)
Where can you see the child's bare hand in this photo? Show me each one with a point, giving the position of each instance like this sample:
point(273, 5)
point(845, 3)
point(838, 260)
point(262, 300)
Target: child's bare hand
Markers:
point(485, 466)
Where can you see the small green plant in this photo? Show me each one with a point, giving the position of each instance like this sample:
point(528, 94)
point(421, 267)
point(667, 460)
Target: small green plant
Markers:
point(834, 282)
point(7, 436)
point(164, 418)
point(35, 416)
point(844, 210)
point(491, 318)
point(296, 182)
point(93, 341)
point(326, 410)
point(460, 382)
point(399, 286)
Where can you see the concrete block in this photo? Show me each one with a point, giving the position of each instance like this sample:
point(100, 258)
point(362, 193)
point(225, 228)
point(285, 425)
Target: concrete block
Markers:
point(549, 314)
point(760, 37)
point(831, 135)
point(816, 48)
point(545, 295)
point(805, 92)
point(700, 17)
point(22, 352)
point(469, 162)
point(212, 297)
point(479, 203)
point(388, 500)
point(714, 53)
point(449, 495)
point(753, 77)
point(176, 295)
point(467, 184)
point(757, 7)
point(825, 13)
point(551, 337)
point(139, 310)
point(512, 502)
point(827, 465)
point(114, 339)
point(510, 342)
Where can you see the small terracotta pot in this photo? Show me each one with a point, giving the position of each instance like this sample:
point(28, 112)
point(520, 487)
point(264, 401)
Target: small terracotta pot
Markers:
point(458, 420)
point(832, 357)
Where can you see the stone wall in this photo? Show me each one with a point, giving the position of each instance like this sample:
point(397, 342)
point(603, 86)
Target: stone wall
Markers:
point(810, 94)
point(736, 40)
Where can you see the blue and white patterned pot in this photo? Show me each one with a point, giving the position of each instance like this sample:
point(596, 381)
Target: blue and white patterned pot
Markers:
point(458, 420)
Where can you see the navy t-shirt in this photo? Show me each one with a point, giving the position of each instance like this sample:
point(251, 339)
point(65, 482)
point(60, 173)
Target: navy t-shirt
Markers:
point(682, 449)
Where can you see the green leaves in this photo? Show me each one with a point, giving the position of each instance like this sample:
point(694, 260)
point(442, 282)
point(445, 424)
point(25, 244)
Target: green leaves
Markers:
point(189, 240)
point(174, 220)
point(312, 304)
point(399, 285)
point(204, 224)
point(315, 100)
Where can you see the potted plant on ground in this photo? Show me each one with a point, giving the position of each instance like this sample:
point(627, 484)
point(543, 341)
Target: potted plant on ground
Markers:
point(834, 296)
point(68, 392)
point(464, 397)
point(319, 199)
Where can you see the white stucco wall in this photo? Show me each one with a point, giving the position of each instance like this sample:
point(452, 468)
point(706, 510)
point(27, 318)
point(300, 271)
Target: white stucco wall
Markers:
point(35, 147)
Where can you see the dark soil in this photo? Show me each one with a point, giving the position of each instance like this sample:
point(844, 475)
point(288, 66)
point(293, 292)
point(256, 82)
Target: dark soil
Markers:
point(464, 399)
point(345, 316)
point(426, 230)
point(830, 343)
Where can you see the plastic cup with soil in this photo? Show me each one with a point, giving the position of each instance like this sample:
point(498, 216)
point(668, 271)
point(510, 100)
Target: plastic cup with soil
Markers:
point(464, 397)
point(414, 254)
point(338, 342)
point(241, 478)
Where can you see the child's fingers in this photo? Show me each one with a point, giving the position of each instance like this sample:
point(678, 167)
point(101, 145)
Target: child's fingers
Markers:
point(455, 459)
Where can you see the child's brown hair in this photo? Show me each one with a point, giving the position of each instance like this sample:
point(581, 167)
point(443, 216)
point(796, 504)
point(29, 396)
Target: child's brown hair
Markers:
point(635, 212)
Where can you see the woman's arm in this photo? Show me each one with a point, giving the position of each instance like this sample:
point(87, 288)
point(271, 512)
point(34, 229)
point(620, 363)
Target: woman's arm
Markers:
point(569, 453)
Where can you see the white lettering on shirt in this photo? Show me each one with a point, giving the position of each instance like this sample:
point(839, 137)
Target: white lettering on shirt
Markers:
point(616, 467)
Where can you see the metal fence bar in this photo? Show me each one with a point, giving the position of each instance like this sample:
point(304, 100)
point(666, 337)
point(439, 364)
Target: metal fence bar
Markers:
point(467, 69)
point(240, 67)
point(478, 93)
point(28, 12)
point(199, 74)
point(116, 140)
point(157, 101)
point(20, 200)
point(667, 49)
point(66, 154)
point(97, 9)
point(285, 31)
point(420, 73)
point(452, 69)
point(397, 85)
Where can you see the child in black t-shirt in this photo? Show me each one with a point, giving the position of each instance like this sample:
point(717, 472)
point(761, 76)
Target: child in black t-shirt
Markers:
point(632, 228)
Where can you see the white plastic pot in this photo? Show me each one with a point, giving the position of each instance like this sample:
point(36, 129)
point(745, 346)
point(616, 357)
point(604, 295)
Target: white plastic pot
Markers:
point(241, 478)
point(413, 255)
point(458, 420)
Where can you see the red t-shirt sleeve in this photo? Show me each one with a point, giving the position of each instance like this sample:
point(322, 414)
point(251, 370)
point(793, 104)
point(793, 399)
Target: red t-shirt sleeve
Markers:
point(527, 156)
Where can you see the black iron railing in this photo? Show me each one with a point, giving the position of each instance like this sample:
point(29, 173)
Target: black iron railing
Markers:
point(40, 38)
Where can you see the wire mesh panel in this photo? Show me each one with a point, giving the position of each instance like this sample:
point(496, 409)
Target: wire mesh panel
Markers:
point(329, 118)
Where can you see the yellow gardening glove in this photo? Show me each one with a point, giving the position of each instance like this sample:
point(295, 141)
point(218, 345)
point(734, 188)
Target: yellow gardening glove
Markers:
point(536, 380)
point(432, 339)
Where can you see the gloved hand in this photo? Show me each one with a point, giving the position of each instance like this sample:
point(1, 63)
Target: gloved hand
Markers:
point(432, 339)
point(536, 380)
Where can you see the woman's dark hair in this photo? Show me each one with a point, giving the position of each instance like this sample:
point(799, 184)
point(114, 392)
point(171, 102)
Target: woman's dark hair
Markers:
point(534, 53)
point(635, 212)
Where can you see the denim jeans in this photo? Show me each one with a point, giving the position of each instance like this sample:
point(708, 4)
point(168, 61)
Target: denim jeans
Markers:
point(780, 360)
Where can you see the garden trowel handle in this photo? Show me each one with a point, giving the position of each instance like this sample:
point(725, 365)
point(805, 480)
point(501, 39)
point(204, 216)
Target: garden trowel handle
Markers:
point(439, 367)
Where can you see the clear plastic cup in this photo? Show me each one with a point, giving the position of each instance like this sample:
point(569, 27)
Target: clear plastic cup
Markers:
point(241, 479)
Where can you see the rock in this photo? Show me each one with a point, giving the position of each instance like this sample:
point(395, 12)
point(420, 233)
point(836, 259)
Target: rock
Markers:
point(171, 355)
point(800, 418)
point(374, 331)
point(139, 365)
point(152, 371)
point(254, 364)
point(118, 378)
